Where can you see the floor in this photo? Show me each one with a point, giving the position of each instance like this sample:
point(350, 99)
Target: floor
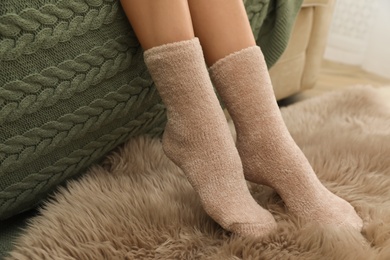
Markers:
point(334, 76)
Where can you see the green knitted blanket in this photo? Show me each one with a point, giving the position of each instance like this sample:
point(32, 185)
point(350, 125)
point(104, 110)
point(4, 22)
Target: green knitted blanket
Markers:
point(73, 85)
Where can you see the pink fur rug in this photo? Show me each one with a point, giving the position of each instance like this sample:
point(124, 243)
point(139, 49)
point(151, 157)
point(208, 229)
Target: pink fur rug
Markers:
point(138, 204)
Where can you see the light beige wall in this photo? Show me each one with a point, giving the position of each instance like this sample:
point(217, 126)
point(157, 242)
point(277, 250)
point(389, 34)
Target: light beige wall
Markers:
point(360, 35)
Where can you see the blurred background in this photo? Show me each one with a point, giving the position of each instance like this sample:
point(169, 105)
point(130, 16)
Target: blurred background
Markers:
point(347, 44)
point(360, 35)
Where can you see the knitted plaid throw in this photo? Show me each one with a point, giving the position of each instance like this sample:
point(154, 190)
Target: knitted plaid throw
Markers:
point(73, 85)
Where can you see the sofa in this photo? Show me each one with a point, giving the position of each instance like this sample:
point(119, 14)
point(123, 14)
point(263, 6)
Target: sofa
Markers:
point(298, 68)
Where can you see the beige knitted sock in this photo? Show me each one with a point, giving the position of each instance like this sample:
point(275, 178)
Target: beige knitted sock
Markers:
point(268, 152)
point(198, 140)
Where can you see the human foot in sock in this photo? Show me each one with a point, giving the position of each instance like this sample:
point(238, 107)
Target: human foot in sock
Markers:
point(268, 153)
point(197, 138)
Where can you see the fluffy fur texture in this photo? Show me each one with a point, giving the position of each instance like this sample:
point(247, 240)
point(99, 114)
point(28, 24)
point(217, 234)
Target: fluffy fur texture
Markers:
point(139, 205)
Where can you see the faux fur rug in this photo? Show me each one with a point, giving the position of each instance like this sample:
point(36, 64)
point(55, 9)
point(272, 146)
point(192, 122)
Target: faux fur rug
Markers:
point(138, 205)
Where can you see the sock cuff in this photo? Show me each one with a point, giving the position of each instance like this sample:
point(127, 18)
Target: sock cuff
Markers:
point(244, 56)
point(179, 69)
point(178, 48)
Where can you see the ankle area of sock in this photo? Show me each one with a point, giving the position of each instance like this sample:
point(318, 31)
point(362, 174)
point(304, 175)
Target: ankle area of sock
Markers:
point(175, 56)
point(243, 82)
point(172, 48)
point(236, 60)
point(180, 75)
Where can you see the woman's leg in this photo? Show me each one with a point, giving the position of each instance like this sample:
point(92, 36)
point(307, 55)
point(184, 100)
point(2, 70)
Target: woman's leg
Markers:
point(196, 137)
point(222, 27)
point(159, 22)
point(268, 152)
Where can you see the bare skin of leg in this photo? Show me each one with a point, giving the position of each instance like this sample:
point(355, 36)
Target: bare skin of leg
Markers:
point(221, 26)
point(196, 137)
point(159, 22)
point(268, 152)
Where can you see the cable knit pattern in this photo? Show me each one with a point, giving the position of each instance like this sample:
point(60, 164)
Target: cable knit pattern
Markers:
point(73, 85)
point(54, 23)
point(38, 183)
point(20, 149)
point(63, 81)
